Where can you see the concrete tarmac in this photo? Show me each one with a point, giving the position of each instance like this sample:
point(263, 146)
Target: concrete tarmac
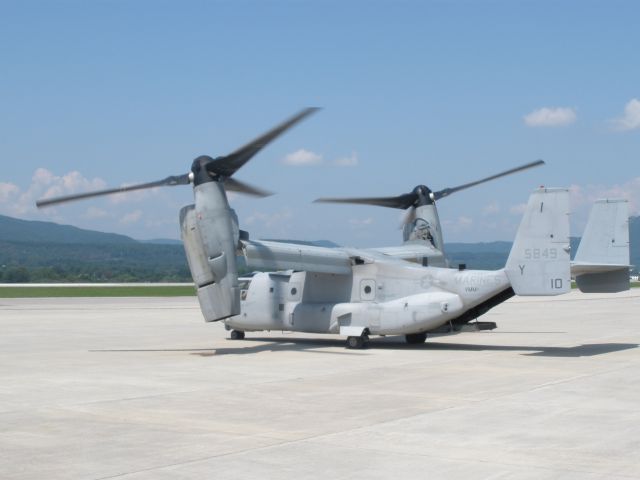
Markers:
point(136, 388)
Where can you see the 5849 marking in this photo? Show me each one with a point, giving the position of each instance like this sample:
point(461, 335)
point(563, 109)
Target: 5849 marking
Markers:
point(541, 253)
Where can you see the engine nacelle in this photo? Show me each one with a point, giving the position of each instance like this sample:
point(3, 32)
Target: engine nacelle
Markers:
point(210, 235)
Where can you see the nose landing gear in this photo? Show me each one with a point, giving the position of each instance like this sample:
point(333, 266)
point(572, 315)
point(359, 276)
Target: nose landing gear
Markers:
point(358, 342)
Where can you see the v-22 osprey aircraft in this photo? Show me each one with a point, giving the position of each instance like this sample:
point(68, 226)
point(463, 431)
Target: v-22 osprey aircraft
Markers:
point(405, 290)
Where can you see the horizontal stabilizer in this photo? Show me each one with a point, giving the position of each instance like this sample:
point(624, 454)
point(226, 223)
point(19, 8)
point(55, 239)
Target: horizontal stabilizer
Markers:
point(605, 282)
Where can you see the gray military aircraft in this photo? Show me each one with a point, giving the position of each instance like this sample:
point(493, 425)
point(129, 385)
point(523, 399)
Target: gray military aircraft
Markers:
point(407, 290)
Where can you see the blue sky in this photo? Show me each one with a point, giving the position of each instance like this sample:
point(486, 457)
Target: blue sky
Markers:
point(440, 93)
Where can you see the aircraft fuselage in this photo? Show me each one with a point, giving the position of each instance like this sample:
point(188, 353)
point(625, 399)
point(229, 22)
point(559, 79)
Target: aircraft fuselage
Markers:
point(384, 298)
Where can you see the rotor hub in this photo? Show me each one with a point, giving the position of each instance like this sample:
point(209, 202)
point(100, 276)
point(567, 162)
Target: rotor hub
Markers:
point(199, 170)
point(424, 196)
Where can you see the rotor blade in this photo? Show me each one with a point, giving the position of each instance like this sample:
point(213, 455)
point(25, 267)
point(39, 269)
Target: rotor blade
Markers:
point(401, 201)
point(448, 191)
point(243, 187)
point(229, 164)
point(169, 181)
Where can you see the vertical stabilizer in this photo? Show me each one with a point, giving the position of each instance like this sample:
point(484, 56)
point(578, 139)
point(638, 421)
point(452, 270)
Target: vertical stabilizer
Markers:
point(606, 238)
point(602, 261)
point(539, 262)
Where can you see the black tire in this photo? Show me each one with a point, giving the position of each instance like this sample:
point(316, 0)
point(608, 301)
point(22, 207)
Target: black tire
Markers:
point(237, 335)
point(355, 342)
point(415, 338)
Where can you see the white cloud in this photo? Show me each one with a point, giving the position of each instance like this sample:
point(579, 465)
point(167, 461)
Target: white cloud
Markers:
point(44, 184)
point(350, 161)
point(155, 215)
point(582, 198)
point(630, 120)
point(8, 190)
point(586, 195)
point(491, 209)
point(550, 117)
point(72, 182)
point(302, 157)
point(131, 217)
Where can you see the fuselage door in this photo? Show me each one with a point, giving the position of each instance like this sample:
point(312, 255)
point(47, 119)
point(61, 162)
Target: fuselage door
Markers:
point(367, 290)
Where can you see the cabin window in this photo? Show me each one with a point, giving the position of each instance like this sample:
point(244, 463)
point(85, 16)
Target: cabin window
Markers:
point(368, 290)
point(295, 290)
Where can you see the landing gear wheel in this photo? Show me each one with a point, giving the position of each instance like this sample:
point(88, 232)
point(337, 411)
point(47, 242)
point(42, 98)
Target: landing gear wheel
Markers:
point(237, 335)
point(415, 338)
point(358, 342)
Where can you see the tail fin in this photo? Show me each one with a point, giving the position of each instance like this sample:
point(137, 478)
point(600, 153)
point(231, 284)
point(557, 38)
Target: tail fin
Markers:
point(539, 260)
point(601, 263)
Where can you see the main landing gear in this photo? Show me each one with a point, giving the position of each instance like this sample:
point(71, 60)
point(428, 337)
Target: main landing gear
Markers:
point(358, 342)
point(415, 338)
point(237, 335)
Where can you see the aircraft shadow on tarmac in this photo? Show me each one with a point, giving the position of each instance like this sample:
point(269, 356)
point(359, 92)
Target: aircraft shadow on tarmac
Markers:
point(397, 343)
point(585, 350)
point(285, 344)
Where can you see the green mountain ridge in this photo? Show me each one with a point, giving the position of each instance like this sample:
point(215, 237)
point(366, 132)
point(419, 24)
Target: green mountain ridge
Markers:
point(17, 230)
point(34, 251)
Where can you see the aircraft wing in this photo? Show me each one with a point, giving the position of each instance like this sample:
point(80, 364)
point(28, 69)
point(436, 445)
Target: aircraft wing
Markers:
point(275, 256)
point(265, 255)
point(412, 252)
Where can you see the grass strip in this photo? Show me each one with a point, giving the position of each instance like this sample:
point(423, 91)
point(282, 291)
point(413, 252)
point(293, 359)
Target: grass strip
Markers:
point(97, 291)
point(125, 291)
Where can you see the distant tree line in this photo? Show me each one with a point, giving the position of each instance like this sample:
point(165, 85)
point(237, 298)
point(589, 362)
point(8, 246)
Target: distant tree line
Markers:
point(42, 262)
point(38, 262)
point(23, 262)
